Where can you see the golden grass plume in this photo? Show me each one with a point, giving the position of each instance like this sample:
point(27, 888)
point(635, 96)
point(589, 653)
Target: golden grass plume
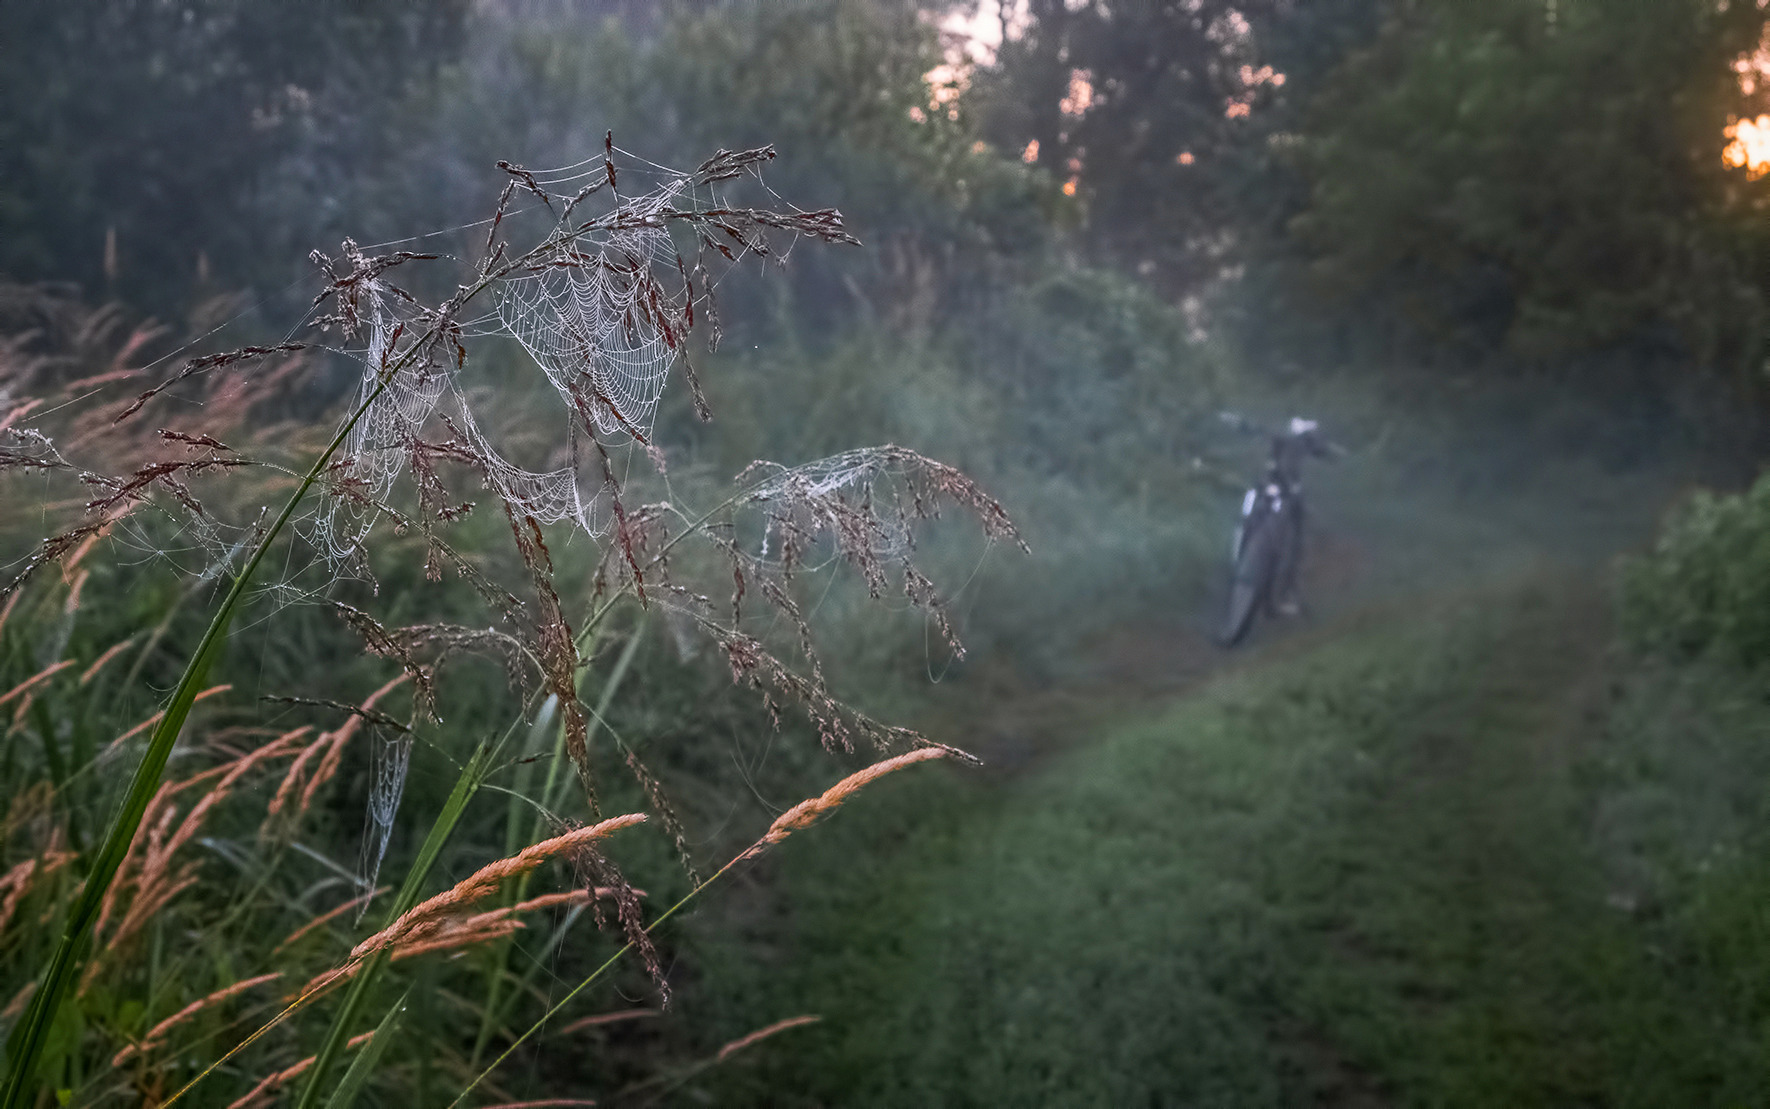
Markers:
point(810, 811)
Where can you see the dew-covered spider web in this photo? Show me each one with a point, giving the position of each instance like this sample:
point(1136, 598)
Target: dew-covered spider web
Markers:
point(593, 315)
point(590, 316)
point(866, 500)
point(602, 301)
point(590, 310)
point(389, 760)
point(376, 450)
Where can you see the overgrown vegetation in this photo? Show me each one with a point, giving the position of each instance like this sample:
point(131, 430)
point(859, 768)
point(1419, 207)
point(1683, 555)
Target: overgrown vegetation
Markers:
point(1528, 295)
point(587, 302)
point(1704, 589)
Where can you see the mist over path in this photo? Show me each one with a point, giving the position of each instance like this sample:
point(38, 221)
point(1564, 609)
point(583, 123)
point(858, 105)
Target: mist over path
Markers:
point(1353, 864)
point(1404, 523)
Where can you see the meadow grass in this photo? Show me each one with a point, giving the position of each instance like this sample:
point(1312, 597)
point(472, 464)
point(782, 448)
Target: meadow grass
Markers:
point(88, 1018)
point(1382, 871)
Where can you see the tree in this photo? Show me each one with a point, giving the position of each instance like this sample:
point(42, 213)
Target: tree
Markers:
point(142, 143)
point(1540, 179)
point(1150, 112)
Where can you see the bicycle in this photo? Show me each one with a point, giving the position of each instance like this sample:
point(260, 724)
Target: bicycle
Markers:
point(1268, 544)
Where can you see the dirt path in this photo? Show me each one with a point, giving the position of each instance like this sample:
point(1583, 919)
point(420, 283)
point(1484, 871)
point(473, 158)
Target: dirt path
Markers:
point(1015, 723)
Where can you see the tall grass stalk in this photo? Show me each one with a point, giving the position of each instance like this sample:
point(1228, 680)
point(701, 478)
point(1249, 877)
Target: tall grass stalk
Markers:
point(594, 975)
point(550, 801)
point(466, 785)
point(798, 817)
point(24, 1048)
point(858, 508)
point(472, 776)
point(26, 1043)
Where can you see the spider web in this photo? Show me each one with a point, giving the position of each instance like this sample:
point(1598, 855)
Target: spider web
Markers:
point(583, 315)
point(838, 496)
point(589, 309)
point(588, 312)
point(376, 449)
point(388, 763)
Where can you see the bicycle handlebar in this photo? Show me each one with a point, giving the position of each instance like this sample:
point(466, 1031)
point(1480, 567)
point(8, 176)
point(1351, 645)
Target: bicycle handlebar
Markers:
point(1238, 422)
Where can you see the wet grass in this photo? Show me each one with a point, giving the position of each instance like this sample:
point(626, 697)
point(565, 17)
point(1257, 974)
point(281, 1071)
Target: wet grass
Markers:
point(1402, 867)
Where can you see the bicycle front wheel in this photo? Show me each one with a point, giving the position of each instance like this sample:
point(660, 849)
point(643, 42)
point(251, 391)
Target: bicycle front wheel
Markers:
point(1250, 584)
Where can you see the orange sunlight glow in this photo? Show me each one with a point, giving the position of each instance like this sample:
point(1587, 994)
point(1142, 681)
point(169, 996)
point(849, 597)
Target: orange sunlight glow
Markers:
point(1748, 140)
point(946, 83)
point(1241, 105)
point(1752, 69)
point(1081, 94)
point(1748, 146)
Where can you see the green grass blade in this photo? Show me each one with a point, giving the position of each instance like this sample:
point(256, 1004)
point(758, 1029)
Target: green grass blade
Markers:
point(551, 801)
point(24, 1047)
point(367, 1059)
point(466, 785)
point(586, 983)
point(513, 826)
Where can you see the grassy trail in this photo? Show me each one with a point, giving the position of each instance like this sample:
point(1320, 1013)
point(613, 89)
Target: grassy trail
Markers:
point(1356, 871)
point(1440, 846)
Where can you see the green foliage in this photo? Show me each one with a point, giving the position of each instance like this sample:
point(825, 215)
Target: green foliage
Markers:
point(1063, 371)
point(1359, 180)
point(1230, 899)
point(74, 1021)
point(1111, 384)
point(1539, 180)
point(1159, 79)
point(958, 330)
point(27, 1042)
point(209, 140)
point(1704, 588)
point(1075, 394)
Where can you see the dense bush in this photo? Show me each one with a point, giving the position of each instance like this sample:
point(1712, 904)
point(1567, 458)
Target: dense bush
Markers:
point(1705, 586)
